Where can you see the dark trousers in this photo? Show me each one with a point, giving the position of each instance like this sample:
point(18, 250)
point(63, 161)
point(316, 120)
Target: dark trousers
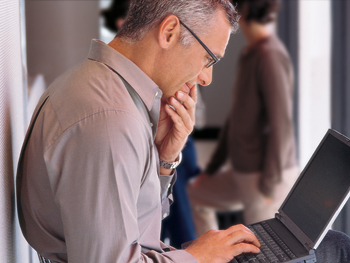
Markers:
point(179, 226)
point(334, 248)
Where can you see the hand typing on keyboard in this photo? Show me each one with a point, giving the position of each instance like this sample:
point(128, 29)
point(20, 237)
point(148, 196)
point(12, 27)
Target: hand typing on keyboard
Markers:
point(273, 250)
point(221, 246)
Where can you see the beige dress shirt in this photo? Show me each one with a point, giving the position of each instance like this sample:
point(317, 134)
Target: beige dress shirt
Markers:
point(88, 181)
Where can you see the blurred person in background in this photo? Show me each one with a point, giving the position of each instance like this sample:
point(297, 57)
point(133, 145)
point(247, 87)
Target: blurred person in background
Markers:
point(114, 16)
point(258, 136)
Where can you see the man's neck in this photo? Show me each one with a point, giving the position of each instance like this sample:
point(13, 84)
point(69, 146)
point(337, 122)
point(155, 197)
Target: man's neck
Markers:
point(120, 46)
point(140, 53)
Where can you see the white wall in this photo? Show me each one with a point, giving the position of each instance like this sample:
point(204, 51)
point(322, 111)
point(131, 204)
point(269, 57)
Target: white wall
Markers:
point(218, 96)
point(59, 34)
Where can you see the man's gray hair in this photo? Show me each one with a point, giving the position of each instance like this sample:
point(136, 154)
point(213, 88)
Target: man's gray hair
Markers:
point(144, 15)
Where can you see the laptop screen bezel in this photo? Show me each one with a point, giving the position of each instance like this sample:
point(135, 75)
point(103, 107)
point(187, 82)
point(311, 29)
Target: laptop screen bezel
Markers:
point(290, 224)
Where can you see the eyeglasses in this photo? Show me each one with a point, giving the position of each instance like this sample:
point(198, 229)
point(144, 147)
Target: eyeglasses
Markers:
point(214, 59)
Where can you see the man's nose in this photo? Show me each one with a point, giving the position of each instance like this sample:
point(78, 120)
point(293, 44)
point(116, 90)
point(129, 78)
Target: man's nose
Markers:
point(205, 77)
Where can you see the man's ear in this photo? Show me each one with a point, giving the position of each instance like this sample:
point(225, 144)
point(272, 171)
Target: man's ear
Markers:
point(169, 31)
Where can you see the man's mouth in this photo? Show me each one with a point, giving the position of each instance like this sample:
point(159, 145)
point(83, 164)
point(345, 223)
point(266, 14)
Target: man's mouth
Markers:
point(187, 88)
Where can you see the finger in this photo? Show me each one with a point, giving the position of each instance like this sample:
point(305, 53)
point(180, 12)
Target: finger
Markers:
point(185, 99)
point(243, 236)
point(179, 127)
point(237, 228)
point(240, 233)
point(163, 114)
point(243, 242)
point(193, 94)
point(182, 118)
point(244, 248)
point(188, 103)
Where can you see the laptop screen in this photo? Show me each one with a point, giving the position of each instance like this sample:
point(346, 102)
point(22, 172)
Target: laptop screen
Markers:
point(322, 187)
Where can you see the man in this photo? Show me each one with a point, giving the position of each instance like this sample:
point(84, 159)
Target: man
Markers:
point(97, 165)
point(178, 227)
point(258, 136)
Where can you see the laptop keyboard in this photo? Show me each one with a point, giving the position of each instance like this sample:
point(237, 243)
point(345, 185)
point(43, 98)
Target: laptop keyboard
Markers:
point(272, 250)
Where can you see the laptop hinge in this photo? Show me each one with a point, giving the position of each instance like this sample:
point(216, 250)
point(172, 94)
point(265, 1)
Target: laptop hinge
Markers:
point(306, 245)
point(278, 216)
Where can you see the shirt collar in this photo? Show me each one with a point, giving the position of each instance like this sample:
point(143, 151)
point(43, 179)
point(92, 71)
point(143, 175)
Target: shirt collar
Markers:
point(141, 83)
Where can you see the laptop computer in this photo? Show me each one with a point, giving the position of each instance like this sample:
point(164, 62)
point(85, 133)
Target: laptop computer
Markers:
point(310, 208)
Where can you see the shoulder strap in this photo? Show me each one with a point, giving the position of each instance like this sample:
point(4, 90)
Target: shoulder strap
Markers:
point(136, 99)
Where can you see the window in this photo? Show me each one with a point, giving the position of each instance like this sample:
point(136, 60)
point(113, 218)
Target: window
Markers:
point(314, 75)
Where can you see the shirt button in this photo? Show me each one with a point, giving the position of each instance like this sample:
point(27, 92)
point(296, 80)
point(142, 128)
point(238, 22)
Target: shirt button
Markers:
point(169, 186)
point(151, 124)
point(156, 93)
point(165, 215)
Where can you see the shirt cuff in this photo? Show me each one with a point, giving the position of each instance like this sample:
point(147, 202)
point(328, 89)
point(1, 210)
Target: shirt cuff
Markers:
point(166, 180)
point(166, 183)
point(180, 256)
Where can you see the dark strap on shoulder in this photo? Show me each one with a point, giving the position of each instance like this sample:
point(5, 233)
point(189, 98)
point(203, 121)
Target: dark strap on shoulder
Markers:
point(136, 99)
point(44, 260)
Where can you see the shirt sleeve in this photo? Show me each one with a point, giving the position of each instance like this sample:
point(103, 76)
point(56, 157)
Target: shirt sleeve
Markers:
point(96, 170)
point(275, 77)
point(178, 256)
